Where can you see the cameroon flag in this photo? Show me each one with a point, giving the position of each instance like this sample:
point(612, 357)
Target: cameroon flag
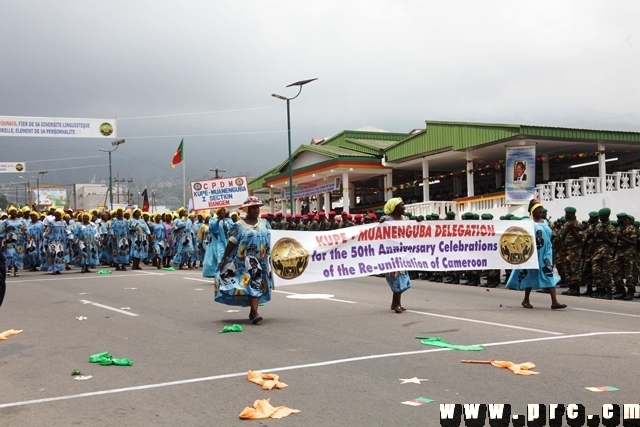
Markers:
point(179, 156)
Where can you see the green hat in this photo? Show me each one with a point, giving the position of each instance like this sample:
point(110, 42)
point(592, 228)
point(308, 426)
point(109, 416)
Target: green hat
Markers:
point(632, 218)
point(408, 214)
point(604, 211)
point(622, 215)
point(421, 217)
point(435, 216)
point(570, 209)
point(515, 218)
point(451, 214)
point(486, 216)
point(636, 223)
point(508, 216)
point(475, 216)
point(562, 219)
point(593, 214)
point(502, 217)
point(614, 223)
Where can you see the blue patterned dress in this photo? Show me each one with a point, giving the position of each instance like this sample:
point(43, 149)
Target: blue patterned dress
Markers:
point(139, 238)
point(35, 245)
point(218, 239)
point(104, 242)
point(13, 233)
point(248, 272)
point(538, 278)
point(119, 237)
point(398, 281)
point(158, 240)
point(55, 246)
point(86, 252)
point(182, 241)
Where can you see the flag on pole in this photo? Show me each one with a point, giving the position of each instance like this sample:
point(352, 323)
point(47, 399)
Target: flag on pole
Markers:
point(145, 201)
point(179, 156)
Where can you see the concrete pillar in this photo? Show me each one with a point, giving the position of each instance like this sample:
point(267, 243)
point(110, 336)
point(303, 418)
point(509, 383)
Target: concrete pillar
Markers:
point(470, 189)
point(602, 167)
point(388, 183)
point(545, 167)
point(346, 200)
point(425, 180)
point(272, 202)
point(327, 201)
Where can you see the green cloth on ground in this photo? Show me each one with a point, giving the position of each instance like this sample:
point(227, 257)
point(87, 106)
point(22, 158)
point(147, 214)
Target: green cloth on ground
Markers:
point(233, 328)
point(105, 359)
point(105, 272)
point(169, 269)
point(439, 342)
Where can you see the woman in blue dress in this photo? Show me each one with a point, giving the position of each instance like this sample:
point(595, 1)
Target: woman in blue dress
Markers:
point(13, 235)
point(139, 233)
point(34, 242)
point(158, 241)
point(119, 237)
point(182, 240)
point(244, 275)
point(167, 255)
point(103, 239)
point(543, 277)
point(219, 227)
point(55, 244)
point(398, 281)
point(86, 244)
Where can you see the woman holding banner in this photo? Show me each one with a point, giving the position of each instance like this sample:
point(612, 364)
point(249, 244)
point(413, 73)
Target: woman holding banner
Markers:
point(544, 277)
point(398, 281)
point(244, 270)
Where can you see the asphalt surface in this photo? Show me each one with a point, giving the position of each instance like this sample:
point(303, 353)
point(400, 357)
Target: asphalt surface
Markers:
point(337, 345)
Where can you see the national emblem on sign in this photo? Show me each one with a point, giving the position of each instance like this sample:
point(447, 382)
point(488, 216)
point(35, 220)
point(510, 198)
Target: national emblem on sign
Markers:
point(516, 245)
point(289, 258)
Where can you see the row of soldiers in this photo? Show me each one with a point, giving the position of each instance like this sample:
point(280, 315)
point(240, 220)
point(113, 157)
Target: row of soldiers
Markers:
point(600, 253)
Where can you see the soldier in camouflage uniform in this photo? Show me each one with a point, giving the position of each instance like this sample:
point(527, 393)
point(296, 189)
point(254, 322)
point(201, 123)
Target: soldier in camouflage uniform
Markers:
point(313, 224)
point(625, 259)
point(588, 246)
point(605, 243)
point(346, 220)
point(558, 256)
point(323, 224)
point(333, 224)
point(277, 222)
point(302, 224)
point(569, 244)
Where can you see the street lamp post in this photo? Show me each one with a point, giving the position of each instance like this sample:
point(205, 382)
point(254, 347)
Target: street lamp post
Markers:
point(284, 98)
point(26, 189)
point(116, 144)
point(41, 173)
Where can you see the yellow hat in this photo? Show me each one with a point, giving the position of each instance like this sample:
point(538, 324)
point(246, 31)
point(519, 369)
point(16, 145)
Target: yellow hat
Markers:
point(25, 209)
point(12, 209)
point(390, 206)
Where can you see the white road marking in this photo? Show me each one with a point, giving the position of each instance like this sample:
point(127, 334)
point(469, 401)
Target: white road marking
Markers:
point(128, 313)
point(503, 325)
point(295, 295)
point(606, 312)
point(65, 277)
point(294, 367)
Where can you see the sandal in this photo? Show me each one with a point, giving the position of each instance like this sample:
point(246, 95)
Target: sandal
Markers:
point(558, 307)
point(255, 319)
point(526, 305)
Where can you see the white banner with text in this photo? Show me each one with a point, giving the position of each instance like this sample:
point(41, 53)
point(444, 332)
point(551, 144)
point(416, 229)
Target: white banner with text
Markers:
point(57, 127)
point(221, 192)
point(308, 256)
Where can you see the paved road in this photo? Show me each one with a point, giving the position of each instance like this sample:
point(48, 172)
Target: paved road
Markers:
point(342, 355)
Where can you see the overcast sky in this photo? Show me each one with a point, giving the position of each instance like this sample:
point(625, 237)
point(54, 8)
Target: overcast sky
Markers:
point(206, 70)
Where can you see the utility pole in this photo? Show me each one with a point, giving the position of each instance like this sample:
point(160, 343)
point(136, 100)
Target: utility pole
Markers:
point(217, 171)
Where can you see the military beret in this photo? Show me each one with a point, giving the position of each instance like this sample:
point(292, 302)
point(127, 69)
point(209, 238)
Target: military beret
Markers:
point(358, 216)
point(298, 215)
point(486, 216)
point(562, 219)
point(475, 216)
point(502, 217)
point(614, 223)
point(311, 214)
point(636, 223)
point(288, 216)
point(632, 218)
point(421, 217)
point(593, 214)
point(332, 213)
point(408, 214)
point(570, 209)
point(509, 216)
point(322, 213)
point(515, 218)
point(604, 211)
point(451, 214)
point(622, 215)
point(278, 213)
point(435, 216)
point(372, 215)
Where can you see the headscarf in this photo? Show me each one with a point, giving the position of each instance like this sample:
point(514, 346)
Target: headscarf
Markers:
point(391, 205)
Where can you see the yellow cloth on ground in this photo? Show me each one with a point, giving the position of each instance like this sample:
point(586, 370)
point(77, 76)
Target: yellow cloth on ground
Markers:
point(6, 334)
point(516, 368)
point(262, 409)
point(267, 381)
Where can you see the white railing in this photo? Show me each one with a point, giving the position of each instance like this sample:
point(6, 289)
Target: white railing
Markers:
point(621, 193)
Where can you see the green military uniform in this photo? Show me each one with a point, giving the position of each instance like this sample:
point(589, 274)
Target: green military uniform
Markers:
point(625, 259)
point(605, 243)
point(588, 246)
point(569, 245)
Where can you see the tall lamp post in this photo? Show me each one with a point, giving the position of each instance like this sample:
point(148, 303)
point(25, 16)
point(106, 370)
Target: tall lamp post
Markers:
point(41, 173)
point(116, 144)
point(26, 189)
point(284, 98)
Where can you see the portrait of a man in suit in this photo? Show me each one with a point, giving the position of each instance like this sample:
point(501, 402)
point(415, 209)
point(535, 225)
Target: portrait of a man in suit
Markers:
point(520, 171)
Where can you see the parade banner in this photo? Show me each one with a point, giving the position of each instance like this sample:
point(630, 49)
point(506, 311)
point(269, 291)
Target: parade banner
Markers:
point(308, 256)
point(57, 127)
point(214, 193)
point(46, 196)
point(13, 167)
point(520, 176)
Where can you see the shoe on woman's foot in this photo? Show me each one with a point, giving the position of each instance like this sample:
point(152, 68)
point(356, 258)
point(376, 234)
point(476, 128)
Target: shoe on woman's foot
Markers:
point(526, 305)
point(558, 307)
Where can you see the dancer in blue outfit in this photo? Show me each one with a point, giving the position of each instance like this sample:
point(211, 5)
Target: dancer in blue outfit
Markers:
point(244, 276)
point(543, 277)
point(55, 244)
point(158, 241)
point(12, 233)
point(34, 243)
point(398, 281)
point(86, 247)
point(219, 227)
point(119, 238)
point(139, 233)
